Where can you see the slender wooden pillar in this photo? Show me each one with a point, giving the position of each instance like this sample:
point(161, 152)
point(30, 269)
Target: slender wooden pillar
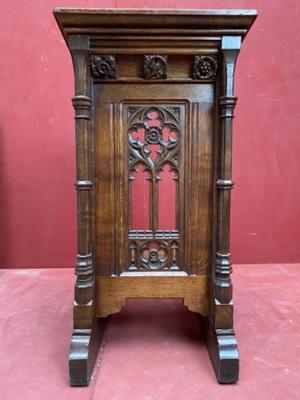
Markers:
point(86, 335)
point(222, 341)
point(84, 289)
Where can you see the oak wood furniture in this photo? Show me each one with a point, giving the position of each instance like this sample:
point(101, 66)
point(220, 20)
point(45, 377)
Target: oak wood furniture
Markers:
point(153, 108)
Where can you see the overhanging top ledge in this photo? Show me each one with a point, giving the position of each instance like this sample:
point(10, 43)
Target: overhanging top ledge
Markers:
point(155, 21)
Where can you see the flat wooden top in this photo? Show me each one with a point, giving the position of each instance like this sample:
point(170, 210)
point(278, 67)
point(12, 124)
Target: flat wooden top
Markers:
point(148, 21)
point(164, 11)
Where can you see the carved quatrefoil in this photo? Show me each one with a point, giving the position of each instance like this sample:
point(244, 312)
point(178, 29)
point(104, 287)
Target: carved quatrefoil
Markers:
point(205, 67)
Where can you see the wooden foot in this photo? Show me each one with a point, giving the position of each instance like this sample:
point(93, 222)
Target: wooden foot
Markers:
point(85, 344)
point(223, 351)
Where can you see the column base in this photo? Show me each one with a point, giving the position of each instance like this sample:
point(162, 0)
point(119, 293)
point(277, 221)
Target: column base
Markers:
point(85, 344)
point(223, 352)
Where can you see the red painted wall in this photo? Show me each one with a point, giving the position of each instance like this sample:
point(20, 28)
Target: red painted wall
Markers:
point(37, 159)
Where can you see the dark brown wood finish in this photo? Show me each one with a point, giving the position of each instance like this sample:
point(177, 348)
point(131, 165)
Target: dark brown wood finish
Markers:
point(153, 92)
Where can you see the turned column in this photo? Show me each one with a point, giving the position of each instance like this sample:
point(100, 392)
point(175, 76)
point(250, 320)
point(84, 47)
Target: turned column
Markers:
point(222, 343)
point(83, 309)
point(227, 101)
point(85, 279)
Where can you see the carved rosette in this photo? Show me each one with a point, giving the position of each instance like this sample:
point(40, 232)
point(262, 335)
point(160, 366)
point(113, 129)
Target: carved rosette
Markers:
point(155, 66)
point(205, 67)
point(103, 67)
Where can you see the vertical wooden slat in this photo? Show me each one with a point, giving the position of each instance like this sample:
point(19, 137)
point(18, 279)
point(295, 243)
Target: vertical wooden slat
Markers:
point(200, 186)
point(105, 188)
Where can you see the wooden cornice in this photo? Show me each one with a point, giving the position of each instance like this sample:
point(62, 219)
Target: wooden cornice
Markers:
point(154, 22)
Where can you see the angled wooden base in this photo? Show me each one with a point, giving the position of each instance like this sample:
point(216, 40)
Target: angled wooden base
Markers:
point(223, 351)
point(85, 344)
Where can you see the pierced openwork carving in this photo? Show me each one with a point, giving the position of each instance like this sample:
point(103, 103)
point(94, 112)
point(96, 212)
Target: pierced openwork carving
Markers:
point(103, 67)
point(155, 66)
point(153, 142)
point(205, 67)
point(153, 255)
point(153, 135)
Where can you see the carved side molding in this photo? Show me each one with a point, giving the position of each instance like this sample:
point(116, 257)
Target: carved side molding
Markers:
point(225, 184)
point(103, 67)
point(82, 105)
point(227, 106)
point(155, 66)
point(84, 269)
point(205, 67)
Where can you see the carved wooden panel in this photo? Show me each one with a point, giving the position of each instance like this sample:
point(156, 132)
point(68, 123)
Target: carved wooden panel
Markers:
point(153, 145)
point(140, 146)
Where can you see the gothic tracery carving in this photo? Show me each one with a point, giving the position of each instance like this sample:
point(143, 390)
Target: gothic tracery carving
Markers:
point(153, 137)
point(153, 142)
